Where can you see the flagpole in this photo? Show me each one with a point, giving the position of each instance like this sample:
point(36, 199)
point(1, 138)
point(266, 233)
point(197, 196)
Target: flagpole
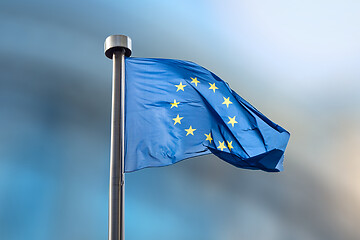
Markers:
point(116, 47)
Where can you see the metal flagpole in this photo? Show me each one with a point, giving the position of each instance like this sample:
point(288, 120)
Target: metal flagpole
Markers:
point(116, 48)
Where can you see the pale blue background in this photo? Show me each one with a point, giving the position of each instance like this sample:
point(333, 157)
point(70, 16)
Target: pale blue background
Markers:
point(296, 61)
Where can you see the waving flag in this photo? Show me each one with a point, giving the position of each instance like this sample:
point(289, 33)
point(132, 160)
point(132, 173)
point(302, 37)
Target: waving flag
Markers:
point(178, 109)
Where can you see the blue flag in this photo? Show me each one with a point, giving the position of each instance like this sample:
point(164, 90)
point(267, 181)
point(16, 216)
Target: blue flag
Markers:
point(178, 109)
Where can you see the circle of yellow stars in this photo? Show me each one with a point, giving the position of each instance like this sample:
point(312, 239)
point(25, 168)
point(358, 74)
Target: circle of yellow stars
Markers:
point(222, 145)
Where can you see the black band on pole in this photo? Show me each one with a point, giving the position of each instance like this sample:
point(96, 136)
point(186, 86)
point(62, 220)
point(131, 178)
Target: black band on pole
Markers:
point(116, 48)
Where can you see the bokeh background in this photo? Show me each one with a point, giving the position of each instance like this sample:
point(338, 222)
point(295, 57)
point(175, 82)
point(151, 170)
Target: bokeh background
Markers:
point(296, 61)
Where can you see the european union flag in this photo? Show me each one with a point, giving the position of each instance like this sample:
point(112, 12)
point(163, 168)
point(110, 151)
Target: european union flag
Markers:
point(178, 109)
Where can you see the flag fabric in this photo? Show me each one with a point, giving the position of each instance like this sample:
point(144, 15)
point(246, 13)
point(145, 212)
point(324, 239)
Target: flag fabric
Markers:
point(177, 109)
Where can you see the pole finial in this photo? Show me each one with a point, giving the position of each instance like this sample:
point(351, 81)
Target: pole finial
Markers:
point(117, 42)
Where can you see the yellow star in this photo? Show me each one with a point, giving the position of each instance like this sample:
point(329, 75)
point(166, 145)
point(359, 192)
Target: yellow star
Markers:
point(232, 120)
point(177, 119)
point(208, 137)
point(180, 87)
point(213, 87)
point(190, 131)
point(194, 80)
point(222, 145)
point(230, 145)
point(227, 101)
point(174, 104)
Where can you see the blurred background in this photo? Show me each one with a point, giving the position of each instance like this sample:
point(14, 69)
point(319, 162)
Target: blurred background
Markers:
point(295, 61)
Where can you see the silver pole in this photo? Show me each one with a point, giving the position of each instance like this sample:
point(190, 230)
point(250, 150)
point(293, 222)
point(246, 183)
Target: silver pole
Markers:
point(116, 48)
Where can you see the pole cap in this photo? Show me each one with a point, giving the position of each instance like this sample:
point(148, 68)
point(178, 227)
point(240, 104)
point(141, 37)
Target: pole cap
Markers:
point(116, 42)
